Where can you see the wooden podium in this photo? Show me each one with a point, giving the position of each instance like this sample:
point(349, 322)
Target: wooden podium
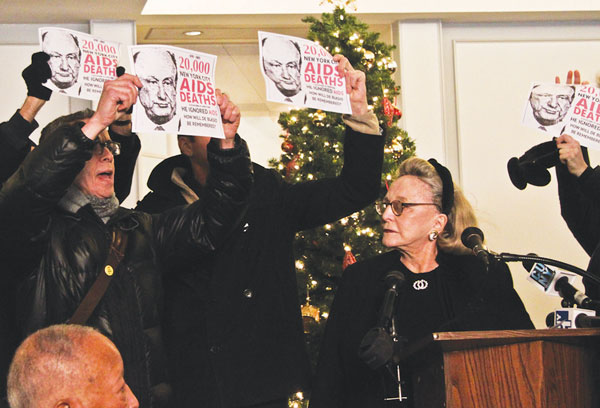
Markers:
point(553, 368)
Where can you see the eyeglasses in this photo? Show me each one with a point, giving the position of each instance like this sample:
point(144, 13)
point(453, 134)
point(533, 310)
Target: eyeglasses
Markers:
point(397, 206)
point(113, 147)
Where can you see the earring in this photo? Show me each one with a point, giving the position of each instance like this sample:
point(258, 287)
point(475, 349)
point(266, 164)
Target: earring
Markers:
point(433, 235)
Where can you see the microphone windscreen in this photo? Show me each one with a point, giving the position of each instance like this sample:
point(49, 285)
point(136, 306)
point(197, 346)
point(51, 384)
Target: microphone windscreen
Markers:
point(535, 174)
point(468, 235)
point(516, 174)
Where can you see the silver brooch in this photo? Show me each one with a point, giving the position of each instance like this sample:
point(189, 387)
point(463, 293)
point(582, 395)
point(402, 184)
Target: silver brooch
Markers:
point(421, 284)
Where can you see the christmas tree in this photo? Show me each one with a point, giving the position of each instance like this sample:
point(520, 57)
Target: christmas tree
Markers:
point(313, 148)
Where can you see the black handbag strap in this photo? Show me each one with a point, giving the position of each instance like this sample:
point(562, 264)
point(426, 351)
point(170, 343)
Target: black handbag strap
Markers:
point(98, 289)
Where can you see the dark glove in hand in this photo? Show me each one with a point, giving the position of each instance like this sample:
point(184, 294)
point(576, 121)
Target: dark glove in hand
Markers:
point(36, 74)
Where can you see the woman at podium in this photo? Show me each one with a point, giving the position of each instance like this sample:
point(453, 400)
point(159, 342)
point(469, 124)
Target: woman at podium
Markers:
point(440, 286)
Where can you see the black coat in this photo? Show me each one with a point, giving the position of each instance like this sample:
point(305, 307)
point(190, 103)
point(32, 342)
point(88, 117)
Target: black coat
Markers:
point(235, 331)
point(54, 256)
point(471, 300)
point(580, 208)
point(15, 145)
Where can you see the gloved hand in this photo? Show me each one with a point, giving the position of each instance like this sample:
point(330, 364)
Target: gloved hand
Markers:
point(36, 74)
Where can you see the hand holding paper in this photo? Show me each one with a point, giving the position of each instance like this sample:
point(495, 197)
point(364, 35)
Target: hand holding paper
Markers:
point(355, 85)
point(117, 96)
point(569, 152)
point(230, 115)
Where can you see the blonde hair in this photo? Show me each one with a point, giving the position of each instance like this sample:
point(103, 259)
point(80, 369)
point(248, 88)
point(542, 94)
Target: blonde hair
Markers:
point(460, 216)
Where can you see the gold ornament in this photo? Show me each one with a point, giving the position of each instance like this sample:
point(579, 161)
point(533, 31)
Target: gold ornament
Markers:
point(369, 55)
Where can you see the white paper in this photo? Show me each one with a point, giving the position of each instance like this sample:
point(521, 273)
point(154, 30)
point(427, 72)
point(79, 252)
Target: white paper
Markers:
point(302, 73)
point(547, 107)
point(584, 117)
point(80, 63)
point(178, 93)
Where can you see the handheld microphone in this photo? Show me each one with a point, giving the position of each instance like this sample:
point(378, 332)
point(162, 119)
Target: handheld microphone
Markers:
point(377, 346)
point(472, 238)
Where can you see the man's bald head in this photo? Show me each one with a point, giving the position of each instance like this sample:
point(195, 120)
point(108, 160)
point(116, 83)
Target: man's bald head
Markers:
point(67, 365)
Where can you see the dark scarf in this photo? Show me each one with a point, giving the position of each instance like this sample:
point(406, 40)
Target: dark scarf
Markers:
point(74, 199)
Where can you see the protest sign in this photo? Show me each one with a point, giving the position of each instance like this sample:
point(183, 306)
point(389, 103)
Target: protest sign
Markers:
point(178, 93)
point(80, 63)
point(584, 117)
point(301, 73)
point(547, 107)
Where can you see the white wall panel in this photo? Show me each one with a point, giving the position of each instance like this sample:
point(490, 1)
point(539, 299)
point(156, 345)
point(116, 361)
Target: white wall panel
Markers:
point(492, 79)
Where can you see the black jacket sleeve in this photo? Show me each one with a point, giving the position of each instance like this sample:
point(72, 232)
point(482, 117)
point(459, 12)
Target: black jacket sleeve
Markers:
point(32, 192)
point(314, 203)
point(14, 144)
point(579, 205)
point(205, 224)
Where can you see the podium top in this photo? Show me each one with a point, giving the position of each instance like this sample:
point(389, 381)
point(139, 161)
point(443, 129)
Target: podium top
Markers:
point(454, 341)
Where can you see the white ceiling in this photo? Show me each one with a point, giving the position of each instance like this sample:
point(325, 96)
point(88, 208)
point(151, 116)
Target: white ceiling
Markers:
point(230, 27)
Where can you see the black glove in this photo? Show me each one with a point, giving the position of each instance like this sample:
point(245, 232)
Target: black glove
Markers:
point(36, 74)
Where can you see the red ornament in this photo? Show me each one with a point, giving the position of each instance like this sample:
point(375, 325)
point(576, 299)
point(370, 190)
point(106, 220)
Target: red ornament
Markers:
point(287, 146)
point(349, 259)
point(389, 110)
point(290, 168)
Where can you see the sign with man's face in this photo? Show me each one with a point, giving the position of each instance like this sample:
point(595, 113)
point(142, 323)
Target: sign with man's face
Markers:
point(301, 73)
point(79, 63)
point(178, 94)
point(551, 102)
point(65, 57)
point(547, 107)
point(282, 63)
point(157, 70)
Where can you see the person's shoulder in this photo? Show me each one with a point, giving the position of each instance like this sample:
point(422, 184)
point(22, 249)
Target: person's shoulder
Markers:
point(373, 267)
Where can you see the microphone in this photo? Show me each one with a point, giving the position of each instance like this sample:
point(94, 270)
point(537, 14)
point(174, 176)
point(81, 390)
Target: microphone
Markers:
point(532, 166)
point(585, 321)
point(377, 346)
point(557, 283)
point(572, 318)
point(394, 280)
point(570, 293)
point(472, 238)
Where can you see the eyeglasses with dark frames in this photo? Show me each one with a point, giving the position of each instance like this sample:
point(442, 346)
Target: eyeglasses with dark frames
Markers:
point(112, 146)
point(397, 206)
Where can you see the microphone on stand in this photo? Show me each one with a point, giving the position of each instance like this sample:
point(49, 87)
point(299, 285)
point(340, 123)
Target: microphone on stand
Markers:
point(572, 318)
point(557, 282)
point(377, 346)
point(472, 238)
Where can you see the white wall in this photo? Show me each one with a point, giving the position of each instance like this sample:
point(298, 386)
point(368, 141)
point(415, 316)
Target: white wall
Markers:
point(482, 87)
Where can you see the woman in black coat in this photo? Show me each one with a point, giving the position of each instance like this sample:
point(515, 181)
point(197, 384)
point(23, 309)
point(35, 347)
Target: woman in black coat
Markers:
point(445, 288)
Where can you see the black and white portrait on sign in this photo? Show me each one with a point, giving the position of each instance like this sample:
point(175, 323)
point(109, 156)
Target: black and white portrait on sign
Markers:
point(65, 57)
point(547, 107)
point(282, 64)
point(157, 70)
